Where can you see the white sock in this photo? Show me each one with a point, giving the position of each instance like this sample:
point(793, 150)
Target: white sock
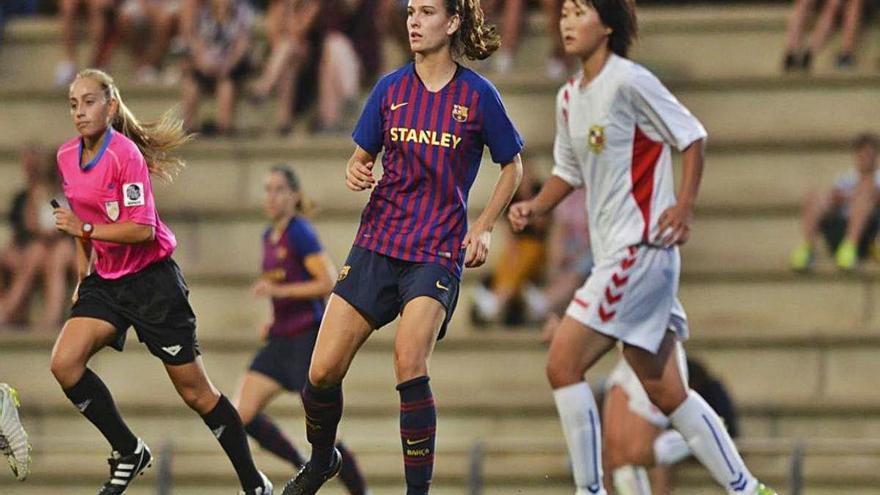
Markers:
point(670, 448)
point(631, 480)
point(583, 434)
point(712, 445)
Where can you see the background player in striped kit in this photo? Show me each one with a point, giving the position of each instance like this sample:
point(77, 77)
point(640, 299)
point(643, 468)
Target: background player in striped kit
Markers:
point(432, 117)
point(105, 174)
point(297, 278)
point(615, 126)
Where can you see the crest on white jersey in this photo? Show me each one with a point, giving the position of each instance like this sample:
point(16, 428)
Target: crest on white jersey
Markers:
point(112, 209)
point(596, 138)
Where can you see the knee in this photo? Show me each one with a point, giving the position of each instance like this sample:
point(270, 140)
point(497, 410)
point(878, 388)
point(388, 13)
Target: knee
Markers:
point(67, 369)
point(324, 376)
point(561, 374)
point(666, 398)
point(199, 400)
point(408, 365)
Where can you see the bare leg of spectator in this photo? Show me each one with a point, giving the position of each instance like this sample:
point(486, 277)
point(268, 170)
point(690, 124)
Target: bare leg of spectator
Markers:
point(862, 204)
point(66, 70)
point(23, 280)
point(225, 105)
point(338, 79)
point(823, 26)
point(55, 270)
point(164, 20)
point(797, 21)
point(511, 24)
point(556, 67)
point(850, 30)
point(98, 31)
point(816, 205)
point(286, 94)
point(278, 63)
point(191, 96)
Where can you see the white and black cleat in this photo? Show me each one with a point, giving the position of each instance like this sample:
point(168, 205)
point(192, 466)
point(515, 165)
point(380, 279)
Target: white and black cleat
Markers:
point(266, 489)
point(123, 469)
point(14, 442)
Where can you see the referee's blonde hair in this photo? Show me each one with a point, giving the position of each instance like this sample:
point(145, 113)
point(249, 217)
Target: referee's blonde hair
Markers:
point(155, 140)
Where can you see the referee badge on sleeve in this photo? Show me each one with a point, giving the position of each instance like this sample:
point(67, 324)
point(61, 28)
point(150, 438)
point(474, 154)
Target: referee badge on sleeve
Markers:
point(112, 209)
point(133, 194)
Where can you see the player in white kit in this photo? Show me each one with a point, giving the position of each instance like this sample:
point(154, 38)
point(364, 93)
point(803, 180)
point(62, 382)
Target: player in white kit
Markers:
point(616, 124)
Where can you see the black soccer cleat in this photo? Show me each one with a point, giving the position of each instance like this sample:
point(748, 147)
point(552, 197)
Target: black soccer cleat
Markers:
point(123, 469)
point(308, 481)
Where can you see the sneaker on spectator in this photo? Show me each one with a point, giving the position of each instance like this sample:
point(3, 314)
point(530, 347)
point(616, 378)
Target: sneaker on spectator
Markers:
point(845, 61)
point(65, 72)
point(801, 258)
point(847, 256)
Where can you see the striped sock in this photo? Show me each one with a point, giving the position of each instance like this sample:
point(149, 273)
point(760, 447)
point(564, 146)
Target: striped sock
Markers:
point(350, 473)
point(323, 408)
point(271, 438)
point(418, 425)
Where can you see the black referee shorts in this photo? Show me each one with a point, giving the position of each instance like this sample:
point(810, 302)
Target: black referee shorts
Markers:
point(154, 301)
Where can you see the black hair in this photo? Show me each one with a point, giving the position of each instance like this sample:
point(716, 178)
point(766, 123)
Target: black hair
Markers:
point(620, 17)
point(304, 205)
point(866, 139)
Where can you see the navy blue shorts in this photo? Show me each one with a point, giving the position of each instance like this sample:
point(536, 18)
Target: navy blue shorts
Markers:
point(286, 359)
point(379, 286)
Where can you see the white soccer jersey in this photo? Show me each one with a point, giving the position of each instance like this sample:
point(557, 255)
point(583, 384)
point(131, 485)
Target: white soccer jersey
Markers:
point(613, 137)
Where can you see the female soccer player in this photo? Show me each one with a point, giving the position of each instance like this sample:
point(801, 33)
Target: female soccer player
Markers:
point(105, 174)
point(432, 117)
point(298, 277)
point(615, 125)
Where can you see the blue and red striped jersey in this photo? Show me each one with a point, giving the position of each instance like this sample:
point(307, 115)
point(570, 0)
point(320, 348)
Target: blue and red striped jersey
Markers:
point(433, 144)
point(284, 263)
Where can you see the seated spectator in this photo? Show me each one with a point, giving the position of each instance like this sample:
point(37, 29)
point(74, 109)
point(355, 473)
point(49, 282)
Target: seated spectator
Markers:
point(800, 52)
point(149, 25)
point(37, 249)
point(218, 60)
point(100, 15)
point(521, 263)
point(847, 216)
point(288, 24)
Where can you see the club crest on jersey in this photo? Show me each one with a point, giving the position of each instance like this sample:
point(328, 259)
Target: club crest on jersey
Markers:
point(112, 209)
point(460, 113)
point(596, 138)
point(343, 273)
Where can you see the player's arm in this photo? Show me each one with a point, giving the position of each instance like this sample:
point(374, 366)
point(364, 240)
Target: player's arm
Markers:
point(323, 274)
point(673, 227)
point(359, 172)
point(120, 233)
point(551, 194)
point(478, 238)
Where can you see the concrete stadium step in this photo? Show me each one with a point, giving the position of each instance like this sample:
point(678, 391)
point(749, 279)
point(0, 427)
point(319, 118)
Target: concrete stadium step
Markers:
point(730, 109)
point(469, 378)
point(534, 467)
point(222, 180)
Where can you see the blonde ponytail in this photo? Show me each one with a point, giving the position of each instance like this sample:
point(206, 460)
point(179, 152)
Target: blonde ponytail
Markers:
point(155, 140)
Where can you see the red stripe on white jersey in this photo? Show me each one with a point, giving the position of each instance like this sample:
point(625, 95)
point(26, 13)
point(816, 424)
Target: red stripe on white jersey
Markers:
point(646, 155)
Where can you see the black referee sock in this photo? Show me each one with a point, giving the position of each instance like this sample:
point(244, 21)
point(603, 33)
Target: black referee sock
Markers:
point(94, 401)
point(226, 426)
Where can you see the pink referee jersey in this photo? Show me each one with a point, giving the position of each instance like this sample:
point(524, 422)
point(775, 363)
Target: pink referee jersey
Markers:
point(114, 188)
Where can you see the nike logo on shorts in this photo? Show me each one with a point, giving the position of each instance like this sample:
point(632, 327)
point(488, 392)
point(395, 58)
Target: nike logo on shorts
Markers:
point(441, 286)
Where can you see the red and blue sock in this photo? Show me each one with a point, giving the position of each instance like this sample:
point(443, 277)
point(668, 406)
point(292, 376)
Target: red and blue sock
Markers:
point(418, 426)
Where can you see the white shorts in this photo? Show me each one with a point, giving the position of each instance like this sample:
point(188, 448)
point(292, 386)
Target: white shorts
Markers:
point(624, 377)
point(633, 297)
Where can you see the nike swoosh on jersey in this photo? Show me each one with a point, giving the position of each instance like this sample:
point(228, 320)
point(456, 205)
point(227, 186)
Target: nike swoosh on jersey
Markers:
point(395, 106)
point(416, 442)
